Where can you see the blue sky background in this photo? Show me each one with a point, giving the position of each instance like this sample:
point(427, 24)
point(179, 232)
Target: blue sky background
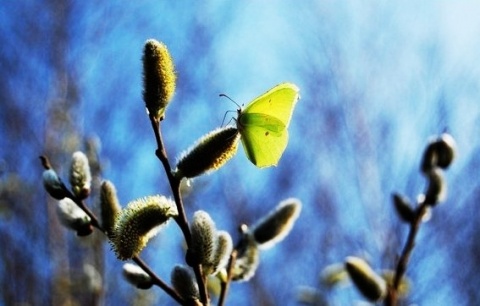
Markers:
point(377, 79)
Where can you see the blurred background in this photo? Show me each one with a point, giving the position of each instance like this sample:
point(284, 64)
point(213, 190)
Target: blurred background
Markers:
point(377, 80)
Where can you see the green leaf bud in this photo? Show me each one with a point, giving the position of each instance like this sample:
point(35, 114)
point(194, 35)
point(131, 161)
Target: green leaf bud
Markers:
point(54, 185)
point(275, 226)
point(437, 187)
point(403, 208)
point(371, 285)
point(139, 222)
point(185, 285)
point(73, 217)
point(247, 260)
point(80, 176)
point(209, 153)
point(109, 206)
point(136, 276)
point(159, 78)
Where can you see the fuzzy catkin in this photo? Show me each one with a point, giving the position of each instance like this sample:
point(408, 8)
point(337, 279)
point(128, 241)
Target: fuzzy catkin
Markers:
point(109, 206)
point(159, 79)
point(139, 222)
point(209, 153)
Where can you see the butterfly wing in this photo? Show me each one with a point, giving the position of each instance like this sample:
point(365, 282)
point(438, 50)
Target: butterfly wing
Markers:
point(278, 102)
point(263, 124)
point(264, 139)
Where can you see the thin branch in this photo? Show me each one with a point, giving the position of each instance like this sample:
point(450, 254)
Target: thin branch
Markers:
point(404, 259)
point(160, 283)
point(181, 220)
point(95, 223)
point(161, 154)
point(225, 285)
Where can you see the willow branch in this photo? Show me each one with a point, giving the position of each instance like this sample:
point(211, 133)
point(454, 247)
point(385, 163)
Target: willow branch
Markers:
point(157, 281)
point(404, 259)
point(95, 223)
point(226, 284)
point(181, 219)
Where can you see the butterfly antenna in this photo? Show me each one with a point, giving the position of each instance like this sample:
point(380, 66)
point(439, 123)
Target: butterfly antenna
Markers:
point(224, 116)
point(224, 95)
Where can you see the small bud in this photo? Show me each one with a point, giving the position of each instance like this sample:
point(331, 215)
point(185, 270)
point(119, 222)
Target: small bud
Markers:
point(334, 274)
point(404, 286)
point(136, 276)
point(209, 153)
point(54, 185)
point(185, 285)
point(158, 78)
point(80, 176)
point(371, 285)
point(274, 227)
point(109, 206)
point(222, 275)
point(437, 187)
point(186, 187)
point(92, 280)
point(427, 214)
point(403, 207)
point(429, 159)
point(440, 152)
point(247, 260)
point(307, 295)
point(74, 217)
point(223, 250)
point(446, 149)
point(139, 222)
point(204, 234)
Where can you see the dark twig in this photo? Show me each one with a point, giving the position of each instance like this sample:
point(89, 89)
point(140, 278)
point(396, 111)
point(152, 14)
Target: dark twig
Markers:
point(401, 268)
point(157, 281)
point(181, 219)
point(161, 154)
point(226, 284)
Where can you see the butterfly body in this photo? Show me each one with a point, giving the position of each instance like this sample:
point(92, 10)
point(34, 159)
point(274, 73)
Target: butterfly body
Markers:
point(263, 124)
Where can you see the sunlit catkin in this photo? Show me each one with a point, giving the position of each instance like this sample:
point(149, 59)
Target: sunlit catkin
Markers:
point(136, 276)
point(80, 176)
point(159, 78)
point(204, 234)
point(369, 283)
point(209, 153)
point(221, 256)
point(139, 222)
point(73, 217)
point(247, 261)
point(109, 206)
point(277, 224)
